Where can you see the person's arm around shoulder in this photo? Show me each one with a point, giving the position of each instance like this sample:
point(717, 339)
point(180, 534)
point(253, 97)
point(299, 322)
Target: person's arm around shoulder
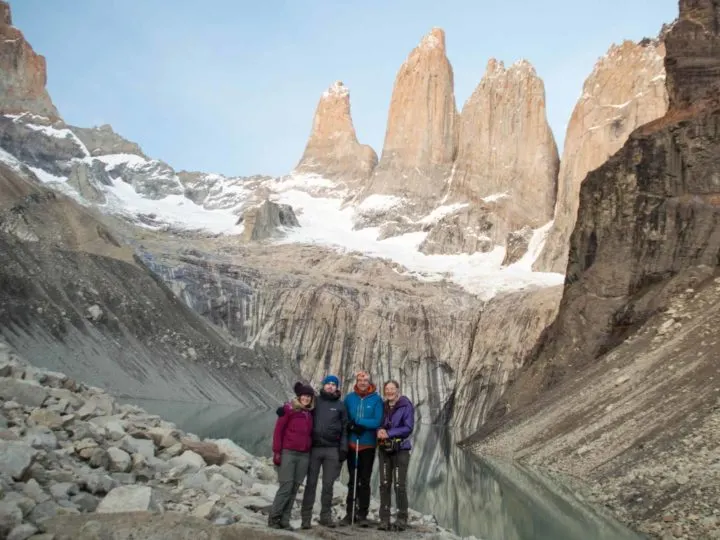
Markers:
point(278, 434)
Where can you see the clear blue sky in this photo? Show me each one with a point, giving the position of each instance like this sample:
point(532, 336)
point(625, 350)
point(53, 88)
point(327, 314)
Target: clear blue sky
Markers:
point(230, 86)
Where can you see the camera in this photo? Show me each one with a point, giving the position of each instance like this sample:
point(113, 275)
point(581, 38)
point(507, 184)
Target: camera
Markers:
point(389, 446)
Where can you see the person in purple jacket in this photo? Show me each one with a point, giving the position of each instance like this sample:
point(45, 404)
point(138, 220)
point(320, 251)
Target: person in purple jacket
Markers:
point(394, 442)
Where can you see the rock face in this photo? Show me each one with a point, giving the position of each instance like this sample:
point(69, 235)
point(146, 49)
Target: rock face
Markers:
point(625, 90)
point(102, 140)
point(333, 150)
point(75, 296)
point(624, 376)
point(421, 138)
point(452, 353)
point(23, 73)
point(267, 221)
point(693, 63)
point(506, 145)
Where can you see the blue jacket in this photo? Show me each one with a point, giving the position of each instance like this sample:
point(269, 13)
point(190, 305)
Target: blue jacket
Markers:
point(366, 412)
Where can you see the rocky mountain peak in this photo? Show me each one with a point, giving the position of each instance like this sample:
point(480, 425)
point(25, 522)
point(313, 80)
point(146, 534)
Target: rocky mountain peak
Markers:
point(693, 53)
point(421, 136)
point(333, 150)
point(625, 90)
point(435, 39)
point(5, 15)
point(23, 73)
point(506, 146)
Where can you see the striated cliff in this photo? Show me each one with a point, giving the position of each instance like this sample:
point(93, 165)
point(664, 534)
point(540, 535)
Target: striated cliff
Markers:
point(452, 353)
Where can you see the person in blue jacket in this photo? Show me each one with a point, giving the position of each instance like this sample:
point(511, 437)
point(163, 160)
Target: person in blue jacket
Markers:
point(365, 414)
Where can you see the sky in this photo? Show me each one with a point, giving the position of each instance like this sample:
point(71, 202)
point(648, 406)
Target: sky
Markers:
point(231, 86)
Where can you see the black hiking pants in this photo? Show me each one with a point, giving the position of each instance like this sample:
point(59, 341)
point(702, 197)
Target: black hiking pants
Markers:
point(364, 468)
point(393, 470)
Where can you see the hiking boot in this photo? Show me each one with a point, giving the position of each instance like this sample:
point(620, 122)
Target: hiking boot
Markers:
point(362, 521)
point(400, 525)
point(274, 525)
point(287, 527)
point(346, 521)
point(327, 522)
point(384, 526)
point(306, 525)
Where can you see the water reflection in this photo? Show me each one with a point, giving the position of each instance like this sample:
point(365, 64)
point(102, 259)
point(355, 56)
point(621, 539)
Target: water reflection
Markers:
point(491, 500)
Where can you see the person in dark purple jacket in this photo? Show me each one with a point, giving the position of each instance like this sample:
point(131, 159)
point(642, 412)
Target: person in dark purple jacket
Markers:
point(292, 441)
point(394, 442)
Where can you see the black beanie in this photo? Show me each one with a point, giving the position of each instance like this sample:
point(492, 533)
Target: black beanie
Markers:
point(303, 389)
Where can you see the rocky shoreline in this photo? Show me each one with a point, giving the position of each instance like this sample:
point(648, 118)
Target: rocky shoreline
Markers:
point(74, 463)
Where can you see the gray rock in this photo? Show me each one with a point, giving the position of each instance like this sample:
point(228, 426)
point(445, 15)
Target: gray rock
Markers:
point(172, 451)
point(144, 447)
point(85, 502)
point(120, 460)
point(28, 393)
point(98, 483)
point(233, 473)
point(97, 405)
point(75, 400)
point(100, 459)
point(10, 517)
point(33, 490)
point(188, 459)
point(129, 499)
point(43, 511)
point(25, 504)
point(22, 532)
point(267, 220)
point(41, 437)
point(45, 418)
point(15, 458)
point(39, 473)
point(220, 485)
point(64, 490)
point(124, 478)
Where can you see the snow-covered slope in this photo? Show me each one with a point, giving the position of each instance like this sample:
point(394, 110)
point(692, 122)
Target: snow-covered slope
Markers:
point(152, 194)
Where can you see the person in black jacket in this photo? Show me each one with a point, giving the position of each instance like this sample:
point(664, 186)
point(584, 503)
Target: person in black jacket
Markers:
point(329, 450)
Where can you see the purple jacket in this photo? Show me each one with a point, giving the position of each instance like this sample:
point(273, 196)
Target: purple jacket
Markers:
point(399, 421)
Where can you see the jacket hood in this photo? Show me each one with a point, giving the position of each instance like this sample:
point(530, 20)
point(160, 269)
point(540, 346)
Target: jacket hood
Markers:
point(371, 390)
point(297, 406)
point(401, 402)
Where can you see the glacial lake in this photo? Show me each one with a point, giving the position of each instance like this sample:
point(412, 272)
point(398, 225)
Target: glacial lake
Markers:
point(491, 500)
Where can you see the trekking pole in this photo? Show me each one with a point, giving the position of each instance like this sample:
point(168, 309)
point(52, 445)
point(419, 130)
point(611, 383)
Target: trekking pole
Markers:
point(357, 453)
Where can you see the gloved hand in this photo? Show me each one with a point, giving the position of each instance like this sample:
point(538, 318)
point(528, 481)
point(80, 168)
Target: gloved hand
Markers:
point(355, 428)
point(280, 411)
point(277, 458)
point(343, 455)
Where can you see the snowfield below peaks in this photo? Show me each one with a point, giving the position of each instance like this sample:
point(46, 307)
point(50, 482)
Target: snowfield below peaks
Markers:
point(151, 194)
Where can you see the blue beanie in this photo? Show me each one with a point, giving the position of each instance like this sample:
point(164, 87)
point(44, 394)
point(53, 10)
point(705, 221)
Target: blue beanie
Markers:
point(331, 379)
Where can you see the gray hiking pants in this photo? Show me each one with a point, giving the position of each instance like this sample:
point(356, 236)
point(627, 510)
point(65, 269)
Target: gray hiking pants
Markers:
point(327, 458)
point(291, 473)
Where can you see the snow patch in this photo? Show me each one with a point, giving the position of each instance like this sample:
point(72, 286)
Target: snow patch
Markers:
point(46, 177)
point(10, 160)
point(324, 222)
point(440, 212)
point(535, 246)
point(379, 203)
point(337, 89)
point(173, 210)
point(495, 197)
point(132, 161)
